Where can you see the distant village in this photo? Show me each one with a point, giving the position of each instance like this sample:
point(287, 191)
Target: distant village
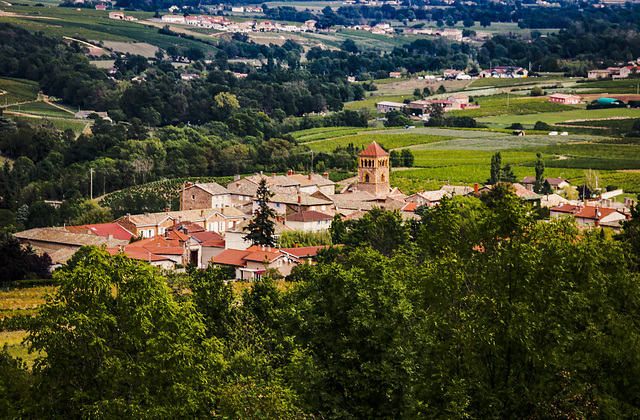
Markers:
point(210, 227)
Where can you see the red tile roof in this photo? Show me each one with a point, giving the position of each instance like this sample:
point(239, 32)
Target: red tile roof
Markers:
point(161, 250)
point(412, 206)
point(259, 256)
point(233, 257)
point(304, 251)
point(207, 236)
point(214, 243)
point(104, 230)
point(373, 151)
point(138, 255)
point(566, 208)
point(595, 213)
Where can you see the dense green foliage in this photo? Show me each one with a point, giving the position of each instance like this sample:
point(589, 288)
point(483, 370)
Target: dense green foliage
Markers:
point(473, 311)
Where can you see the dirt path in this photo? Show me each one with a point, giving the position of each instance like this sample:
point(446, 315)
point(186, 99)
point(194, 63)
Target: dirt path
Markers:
point(44, 98)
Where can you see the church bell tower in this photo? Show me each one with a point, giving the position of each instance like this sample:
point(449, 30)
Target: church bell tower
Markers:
point(373, 170)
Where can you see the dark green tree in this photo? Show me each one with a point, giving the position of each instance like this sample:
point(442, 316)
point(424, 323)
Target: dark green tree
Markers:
point(382, 230)
point(396, 119)
point(537, 186)
point(113, 343)
point(262, 227)
point(407, 158)
point(496, 166)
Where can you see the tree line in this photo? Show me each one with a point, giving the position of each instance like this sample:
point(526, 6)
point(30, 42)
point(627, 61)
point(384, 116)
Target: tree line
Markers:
point(474, 310)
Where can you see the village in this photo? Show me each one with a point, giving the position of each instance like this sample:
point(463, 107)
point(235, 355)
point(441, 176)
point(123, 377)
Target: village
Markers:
point(211, 225)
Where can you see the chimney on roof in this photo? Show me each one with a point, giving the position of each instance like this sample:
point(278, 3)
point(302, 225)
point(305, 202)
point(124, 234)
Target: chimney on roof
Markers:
point(268, 249)
point(597, 223)
point(201, 212)
point(147, 214)
point(262, 248)
point(476, 189)
point(179, 219)
point(189, 184)
point(325, 175)
point(310, 176)
point(289, 172)
point(128, 216)
point(299, 199)
point(273, 175)
point(110, 236)
point(296, 245)
point(236, 177)
point(167, 209)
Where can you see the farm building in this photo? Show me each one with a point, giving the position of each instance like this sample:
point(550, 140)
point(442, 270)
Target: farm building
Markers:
point(386, 106)
point(609, 101)
point(561, 98)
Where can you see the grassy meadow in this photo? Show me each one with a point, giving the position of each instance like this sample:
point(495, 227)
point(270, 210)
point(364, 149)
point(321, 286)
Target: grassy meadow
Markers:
point(14, 302)
point(17, 90)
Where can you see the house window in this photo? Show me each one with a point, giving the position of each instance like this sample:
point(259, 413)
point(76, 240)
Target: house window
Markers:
point(324, 208)
point(366, 177)
point(221, 226)
point(161, 230)
point(193, 197)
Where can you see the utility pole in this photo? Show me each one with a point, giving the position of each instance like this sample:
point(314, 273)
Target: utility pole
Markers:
point(91, 172)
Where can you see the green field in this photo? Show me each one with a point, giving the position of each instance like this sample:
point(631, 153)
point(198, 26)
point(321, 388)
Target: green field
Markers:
point(322, 133)
point(95, 25)
point(512, 105)
point(559, 117)
point(17, 90)
point(611, 86)
point(497, 82)
point(370, 102)
point(389, 141)
point(41, 108)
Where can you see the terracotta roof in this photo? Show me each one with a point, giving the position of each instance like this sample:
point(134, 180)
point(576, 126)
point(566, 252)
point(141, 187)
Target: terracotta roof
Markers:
point(206, 236)
point(412, 206)
point(595, 213)
point(159, 250)
point(308, 216)
point(567, 208)
point(153, 241)
point(189, 226)
point(373, 151)
point(176, 235)
point(304, 251)
point(259, 256)
point(104, 230)
point(214, 243)
point(139, 255)
point(233, 257)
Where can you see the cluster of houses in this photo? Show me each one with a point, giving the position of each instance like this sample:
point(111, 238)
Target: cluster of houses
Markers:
point(501, 72)
point(449, 33)
point(453, 102)
point(614, 72)
point(120, 16)
point(223, 24)
point(210, 227)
